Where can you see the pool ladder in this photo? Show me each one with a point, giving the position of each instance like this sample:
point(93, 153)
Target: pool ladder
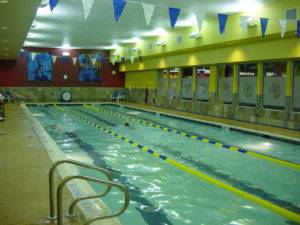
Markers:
point(59, 193)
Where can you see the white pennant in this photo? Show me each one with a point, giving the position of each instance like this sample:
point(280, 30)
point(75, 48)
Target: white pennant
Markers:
point(282, 24)
point(33, 54)
point(113, 60)
point(74, 59)
point(87, 6)
point(54, 58)
point(132, 59)
point(94, 61)
point(244, 23)
point(200, 16)
point(148, 12)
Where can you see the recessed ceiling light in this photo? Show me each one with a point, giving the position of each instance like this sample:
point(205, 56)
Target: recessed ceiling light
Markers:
point(5, 49)
point(3, 1)
point(66, 53)
point(154, 33)
point(6, 54)
point(4, 28)
point(5, 41)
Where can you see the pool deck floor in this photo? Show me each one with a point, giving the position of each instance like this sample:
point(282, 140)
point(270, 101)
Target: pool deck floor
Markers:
point(246, 125)
point(24, 166)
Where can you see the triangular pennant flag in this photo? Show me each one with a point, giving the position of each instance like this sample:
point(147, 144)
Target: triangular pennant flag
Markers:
point(54, 58)
point(244, 22)
point(52, 4)
point(113, 61)
point(118, 8)
point(87, 6)
point(263, 25)
point(148, 12)
point(282, 24)
point(74, 59)
point(200, 18)
point(94, 61)
point(132, 59)
point(33, 54)
point(173, 13)
point(298, 28)
point(222, 22)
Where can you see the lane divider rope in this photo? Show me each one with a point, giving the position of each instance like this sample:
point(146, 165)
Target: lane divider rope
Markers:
point(200, 138)
point(275, 208)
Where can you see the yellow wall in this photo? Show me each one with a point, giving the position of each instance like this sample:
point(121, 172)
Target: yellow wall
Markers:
point(147, 78)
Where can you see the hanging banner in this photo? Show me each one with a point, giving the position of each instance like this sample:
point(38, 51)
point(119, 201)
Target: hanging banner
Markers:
point(74, 59)
point(118, 8)
point(148, 12)
point(52, 4)
point(64, 59)
point(33, 54)
point(132, 59)
point(103, 60)
point(94, 61)
point(173, 13)
point(87, 6)
point(54, 58)
point(200, 18)
point(244, 23)
point(263, 25)
point(298, 28)
point(282, 24)
point(222, 22)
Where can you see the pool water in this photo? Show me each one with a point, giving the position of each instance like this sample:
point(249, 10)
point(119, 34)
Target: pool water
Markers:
point(162, 194)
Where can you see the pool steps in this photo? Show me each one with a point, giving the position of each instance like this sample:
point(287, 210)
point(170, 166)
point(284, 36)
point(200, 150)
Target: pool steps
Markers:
point(275, 208)
point(201, 138)
point(61, 185)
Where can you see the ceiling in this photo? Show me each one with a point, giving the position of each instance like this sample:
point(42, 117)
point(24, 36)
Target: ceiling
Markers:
point(66, 26)
point(15, 19)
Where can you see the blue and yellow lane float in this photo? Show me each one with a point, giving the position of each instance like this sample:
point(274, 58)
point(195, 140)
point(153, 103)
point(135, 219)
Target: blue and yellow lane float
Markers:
point(200, 138)
point(275, 208)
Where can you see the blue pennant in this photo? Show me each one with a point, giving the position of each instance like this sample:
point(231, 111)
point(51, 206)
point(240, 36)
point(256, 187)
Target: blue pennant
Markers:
point(298, 28)
point(222, 22)
point(263, 25)
point(53, 4)
point(173, 13)
point(118, 8)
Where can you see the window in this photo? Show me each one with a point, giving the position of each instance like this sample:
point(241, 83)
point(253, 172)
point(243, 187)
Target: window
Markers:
point(186, 83)
point(225, 74)
point(203, 74)
point(173, 83)
point(247, 84)
point(274, 85)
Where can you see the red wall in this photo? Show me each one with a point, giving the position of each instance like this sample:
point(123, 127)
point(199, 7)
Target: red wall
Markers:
point(13, 73)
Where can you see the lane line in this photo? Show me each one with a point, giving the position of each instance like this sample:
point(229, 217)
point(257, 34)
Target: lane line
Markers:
point(275, 208)
point(201, 138)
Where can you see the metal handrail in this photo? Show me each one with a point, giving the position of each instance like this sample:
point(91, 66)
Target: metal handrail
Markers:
point(74, 162)
point(110, 184)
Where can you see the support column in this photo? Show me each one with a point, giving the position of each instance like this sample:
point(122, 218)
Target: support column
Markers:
point(194, 84)
point(213, 84)
point(179, 84)
point(288, 92)
point(259, 90)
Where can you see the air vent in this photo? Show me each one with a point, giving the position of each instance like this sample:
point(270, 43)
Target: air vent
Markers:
point(291, 14)
point(179, 39)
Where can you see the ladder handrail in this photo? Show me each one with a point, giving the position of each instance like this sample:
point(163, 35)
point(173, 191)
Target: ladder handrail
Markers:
point(74, 162)
point(87, 178)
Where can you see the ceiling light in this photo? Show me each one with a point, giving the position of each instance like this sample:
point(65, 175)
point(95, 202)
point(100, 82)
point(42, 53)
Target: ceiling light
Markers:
point(5, 41)
point(6, 49)
point(6, 54)
point(187, 23)
point(66, 53)
point(249, 7)
point(4, 28)
point(43, 11)
point(131, 41)
point(3, 1)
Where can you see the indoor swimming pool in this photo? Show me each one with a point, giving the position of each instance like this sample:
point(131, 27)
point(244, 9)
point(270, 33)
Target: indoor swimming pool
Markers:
point(177, 171)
